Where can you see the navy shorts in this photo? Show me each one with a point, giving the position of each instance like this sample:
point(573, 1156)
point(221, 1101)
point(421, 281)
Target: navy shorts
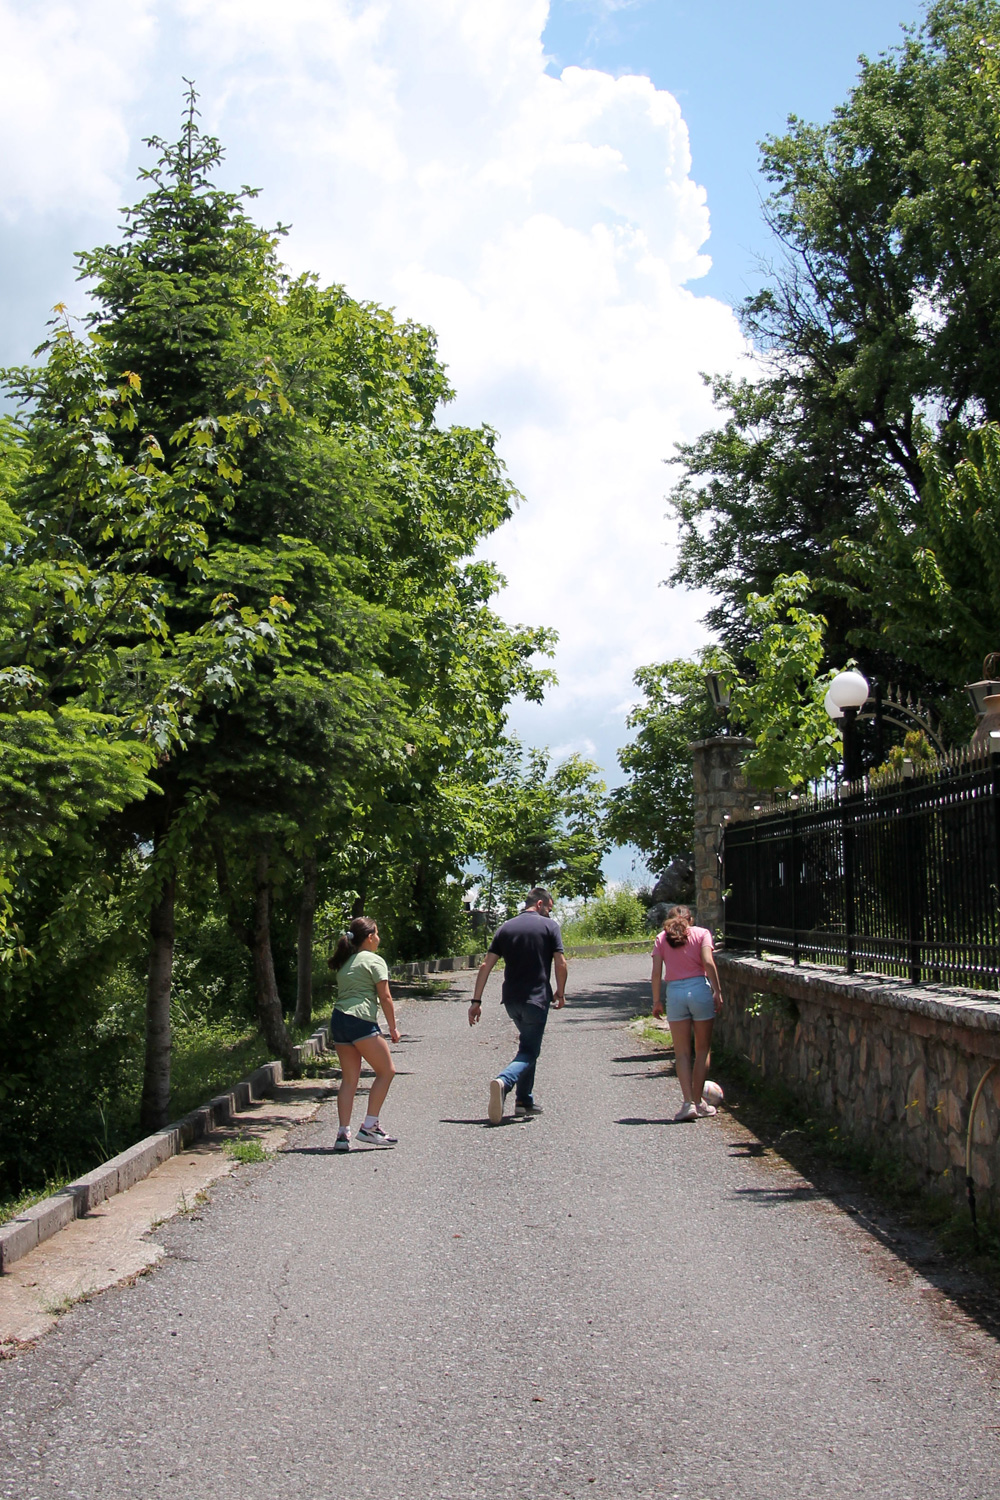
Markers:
point(347, 1028)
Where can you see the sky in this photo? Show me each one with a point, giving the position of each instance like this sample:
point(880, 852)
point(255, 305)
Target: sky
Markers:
point(568, 193)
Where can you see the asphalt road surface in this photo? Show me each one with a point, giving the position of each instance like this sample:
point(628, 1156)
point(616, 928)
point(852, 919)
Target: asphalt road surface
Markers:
point(592, 1303)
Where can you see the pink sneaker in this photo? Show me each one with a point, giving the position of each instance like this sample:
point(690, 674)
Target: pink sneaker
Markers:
point(687, 1111)
point(702, 1110)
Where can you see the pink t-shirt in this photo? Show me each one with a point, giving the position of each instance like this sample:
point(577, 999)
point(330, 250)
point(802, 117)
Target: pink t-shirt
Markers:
point(683, 963)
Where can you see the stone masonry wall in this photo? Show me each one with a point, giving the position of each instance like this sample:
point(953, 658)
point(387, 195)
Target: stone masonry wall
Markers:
point(719, 788)
point(895, 1064)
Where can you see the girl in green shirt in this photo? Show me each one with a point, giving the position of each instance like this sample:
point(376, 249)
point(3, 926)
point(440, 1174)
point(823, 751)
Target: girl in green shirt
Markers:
point(362, 986)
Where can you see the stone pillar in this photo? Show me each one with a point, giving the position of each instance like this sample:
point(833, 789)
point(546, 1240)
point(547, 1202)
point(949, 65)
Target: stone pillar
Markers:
point(719, 787)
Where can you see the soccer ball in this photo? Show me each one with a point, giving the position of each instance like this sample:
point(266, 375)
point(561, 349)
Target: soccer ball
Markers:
point(712, 1093)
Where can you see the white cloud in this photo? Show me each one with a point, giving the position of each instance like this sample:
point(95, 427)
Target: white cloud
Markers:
point(547, 227)
point(67, 71)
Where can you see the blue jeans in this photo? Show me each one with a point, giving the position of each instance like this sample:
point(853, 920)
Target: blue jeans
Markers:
point(520, 1074)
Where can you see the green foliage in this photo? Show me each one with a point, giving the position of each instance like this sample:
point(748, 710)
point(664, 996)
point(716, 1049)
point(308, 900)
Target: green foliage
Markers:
point(776, 697)
point(780, 705)
point(881, 330)
point(916, 747)
point(614, 915)
point(242, 636)
point(654, 810)
point(539, 824)
point(933, 574)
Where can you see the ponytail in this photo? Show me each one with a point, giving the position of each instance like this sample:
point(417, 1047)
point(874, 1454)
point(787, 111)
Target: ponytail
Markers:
point(677, 925)
point(351, 940)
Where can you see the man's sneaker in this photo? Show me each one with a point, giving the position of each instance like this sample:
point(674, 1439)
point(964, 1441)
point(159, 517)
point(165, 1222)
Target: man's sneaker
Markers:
point(376, 1136)
point(705, 1109)
point(687, 1111)
point(498, 1092)
point(523, 1111)
point(342, 1143)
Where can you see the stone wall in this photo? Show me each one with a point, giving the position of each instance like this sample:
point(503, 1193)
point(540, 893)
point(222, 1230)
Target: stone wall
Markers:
point(895, 1064)
point(720, 788)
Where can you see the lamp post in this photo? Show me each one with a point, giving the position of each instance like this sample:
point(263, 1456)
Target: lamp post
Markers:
point(845, 697)
point(985, 699)
point(719, 696)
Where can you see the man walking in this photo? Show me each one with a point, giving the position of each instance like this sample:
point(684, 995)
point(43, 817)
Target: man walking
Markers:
point(528, 944)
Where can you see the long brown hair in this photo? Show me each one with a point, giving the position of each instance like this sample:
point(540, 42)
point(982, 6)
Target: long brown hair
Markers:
point(351, 940)
point(677, 925)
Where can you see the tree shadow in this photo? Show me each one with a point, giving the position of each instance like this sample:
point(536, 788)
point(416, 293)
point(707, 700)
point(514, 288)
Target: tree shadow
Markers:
point(902, 1227)
point(642, 1120)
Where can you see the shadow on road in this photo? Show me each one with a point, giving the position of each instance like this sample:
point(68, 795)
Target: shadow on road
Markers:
point(905, 1237)
point(779, 1194)
point(485, 1124)
point(641, 1120)
point(357, 1149)
point(627, 999)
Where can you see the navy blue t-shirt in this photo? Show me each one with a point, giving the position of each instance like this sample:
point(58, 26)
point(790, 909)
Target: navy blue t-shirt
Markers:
point(526, 944)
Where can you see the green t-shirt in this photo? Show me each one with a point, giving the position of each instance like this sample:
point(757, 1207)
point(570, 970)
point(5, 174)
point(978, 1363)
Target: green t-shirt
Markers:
point(356, 981)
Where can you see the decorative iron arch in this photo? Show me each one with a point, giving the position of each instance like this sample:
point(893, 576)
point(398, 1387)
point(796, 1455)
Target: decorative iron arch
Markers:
point(904, 713)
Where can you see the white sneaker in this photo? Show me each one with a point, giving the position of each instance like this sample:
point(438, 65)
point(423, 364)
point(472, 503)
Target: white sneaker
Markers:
point(687, 1111)
point(343, 1142)
point(704, 1109)
point(497, 1095)
point(376, 1136)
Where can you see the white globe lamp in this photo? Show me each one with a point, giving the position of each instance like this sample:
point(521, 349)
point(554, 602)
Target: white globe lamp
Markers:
point(847, 690)
point(847, 693)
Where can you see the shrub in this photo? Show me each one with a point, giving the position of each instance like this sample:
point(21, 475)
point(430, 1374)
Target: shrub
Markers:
point(618, 914)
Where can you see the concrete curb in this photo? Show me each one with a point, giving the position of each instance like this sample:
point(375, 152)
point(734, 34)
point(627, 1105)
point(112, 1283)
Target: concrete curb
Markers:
point(437, 966)
point(40, 1222)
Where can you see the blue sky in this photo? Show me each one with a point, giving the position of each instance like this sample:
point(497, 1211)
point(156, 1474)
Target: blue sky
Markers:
point(568, 195)
point(738, 70)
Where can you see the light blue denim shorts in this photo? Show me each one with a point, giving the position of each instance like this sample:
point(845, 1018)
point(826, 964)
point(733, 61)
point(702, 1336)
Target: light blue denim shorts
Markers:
point(690, 1000)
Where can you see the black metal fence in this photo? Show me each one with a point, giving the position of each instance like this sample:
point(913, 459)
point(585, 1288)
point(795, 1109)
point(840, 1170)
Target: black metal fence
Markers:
point(900, 879)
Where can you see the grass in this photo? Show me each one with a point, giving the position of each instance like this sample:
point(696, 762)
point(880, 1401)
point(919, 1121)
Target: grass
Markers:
point(11, 1207)
point(246, 1150)
point(208, 1058)
point(651, 1031)
point(584, 947)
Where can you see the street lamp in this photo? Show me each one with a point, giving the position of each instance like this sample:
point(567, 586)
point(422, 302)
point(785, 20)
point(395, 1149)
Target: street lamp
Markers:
point(987, 687)
point(718, 693)
point(846, 695)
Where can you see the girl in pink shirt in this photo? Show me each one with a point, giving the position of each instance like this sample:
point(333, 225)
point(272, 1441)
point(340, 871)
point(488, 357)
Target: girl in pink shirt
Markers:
point(683, 954)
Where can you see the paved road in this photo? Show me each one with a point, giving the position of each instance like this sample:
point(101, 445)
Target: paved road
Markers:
point(594, 1303)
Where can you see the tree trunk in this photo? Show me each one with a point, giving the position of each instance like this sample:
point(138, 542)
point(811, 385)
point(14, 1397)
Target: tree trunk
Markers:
point(154, 1111)
point(307, 915)
point(272, 1022)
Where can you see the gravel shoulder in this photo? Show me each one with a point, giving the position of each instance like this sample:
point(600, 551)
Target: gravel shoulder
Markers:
point(592, 1303)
